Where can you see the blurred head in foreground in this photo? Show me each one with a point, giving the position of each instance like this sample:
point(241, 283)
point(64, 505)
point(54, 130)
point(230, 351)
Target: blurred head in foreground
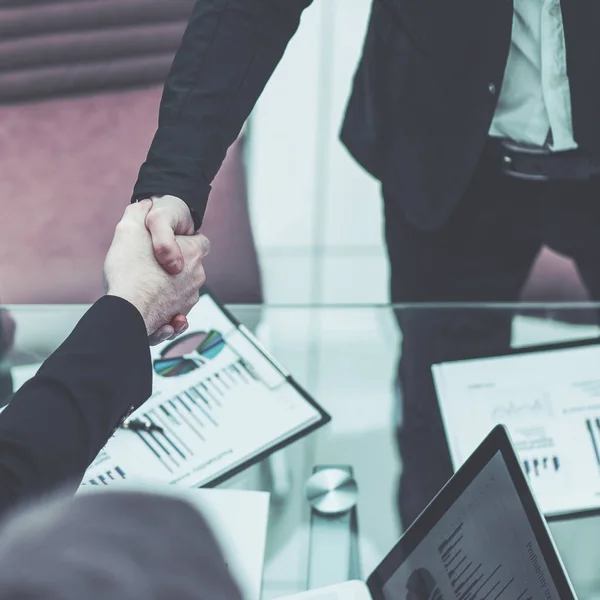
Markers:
point(118, 546)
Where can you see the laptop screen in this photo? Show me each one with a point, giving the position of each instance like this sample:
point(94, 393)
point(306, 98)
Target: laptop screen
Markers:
point(481, 539)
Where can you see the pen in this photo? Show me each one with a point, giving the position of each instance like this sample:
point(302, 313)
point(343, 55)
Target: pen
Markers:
point(139, 425)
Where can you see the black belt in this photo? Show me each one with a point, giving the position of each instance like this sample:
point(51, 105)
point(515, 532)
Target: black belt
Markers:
point(540, 164)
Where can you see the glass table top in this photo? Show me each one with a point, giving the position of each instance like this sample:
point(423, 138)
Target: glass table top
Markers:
point(346, 357)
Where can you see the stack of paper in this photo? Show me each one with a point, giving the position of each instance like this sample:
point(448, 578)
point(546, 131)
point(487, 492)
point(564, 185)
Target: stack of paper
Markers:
point(550, 402)
point(237, 518)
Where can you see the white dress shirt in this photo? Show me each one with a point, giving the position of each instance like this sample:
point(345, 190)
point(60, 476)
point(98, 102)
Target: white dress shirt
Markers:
point(534, 107)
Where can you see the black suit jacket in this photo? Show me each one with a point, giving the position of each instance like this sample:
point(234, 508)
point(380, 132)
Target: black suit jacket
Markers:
point(60, 419)
point(423, 99)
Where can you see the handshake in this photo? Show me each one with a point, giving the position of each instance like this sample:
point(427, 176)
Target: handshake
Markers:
point(132, 271)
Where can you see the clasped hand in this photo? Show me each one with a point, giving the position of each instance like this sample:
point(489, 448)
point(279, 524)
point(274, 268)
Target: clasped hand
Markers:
point(155, 263)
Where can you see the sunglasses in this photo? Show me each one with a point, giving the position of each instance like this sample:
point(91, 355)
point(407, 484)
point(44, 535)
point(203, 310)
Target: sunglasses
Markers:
point(188, 353)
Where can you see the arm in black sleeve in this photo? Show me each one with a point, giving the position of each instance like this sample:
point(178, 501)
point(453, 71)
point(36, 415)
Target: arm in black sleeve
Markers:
point(228, 52)
point(59, 420)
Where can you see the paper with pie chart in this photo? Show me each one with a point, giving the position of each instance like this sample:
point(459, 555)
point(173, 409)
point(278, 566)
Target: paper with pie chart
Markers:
point(549, 399)
point(219, 403)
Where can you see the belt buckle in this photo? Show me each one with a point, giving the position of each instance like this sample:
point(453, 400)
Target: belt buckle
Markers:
point(510, 148)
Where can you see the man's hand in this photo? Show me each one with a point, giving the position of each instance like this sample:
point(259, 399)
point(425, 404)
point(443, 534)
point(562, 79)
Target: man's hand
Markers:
point(132, 272)
point(168, 217)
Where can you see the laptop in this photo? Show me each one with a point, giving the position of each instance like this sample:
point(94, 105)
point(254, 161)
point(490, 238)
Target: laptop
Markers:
point(482, 537)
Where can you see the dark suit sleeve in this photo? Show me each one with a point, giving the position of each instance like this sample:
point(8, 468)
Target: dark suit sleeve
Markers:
point(228, 52)
point(60, 419)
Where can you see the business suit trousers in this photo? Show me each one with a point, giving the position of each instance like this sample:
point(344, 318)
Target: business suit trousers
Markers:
point(482, 254)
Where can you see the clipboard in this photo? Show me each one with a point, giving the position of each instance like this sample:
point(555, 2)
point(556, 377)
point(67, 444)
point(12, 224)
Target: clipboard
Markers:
point(220, 404)
point(548, 396)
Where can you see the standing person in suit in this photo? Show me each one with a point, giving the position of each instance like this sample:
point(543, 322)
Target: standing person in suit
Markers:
point(480, 121)
point(59, 420)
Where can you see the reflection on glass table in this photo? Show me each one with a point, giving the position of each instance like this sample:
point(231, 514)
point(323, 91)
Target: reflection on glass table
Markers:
point(347, 359)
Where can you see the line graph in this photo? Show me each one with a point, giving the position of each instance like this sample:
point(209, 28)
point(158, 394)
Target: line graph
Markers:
point(528, 408)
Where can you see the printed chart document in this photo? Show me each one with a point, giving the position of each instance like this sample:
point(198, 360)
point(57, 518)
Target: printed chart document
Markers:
point(238, 520)
point(550, 402)
point(219, 403)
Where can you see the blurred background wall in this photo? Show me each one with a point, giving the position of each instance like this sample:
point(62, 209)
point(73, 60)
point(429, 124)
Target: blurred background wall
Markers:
point(80, 82)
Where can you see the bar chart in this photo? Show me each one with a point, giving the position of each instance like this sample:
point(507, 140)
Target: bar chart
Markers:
point(191, 419)
point(105, 475)
point(109, 476)
point(469, 577)
point(593, 430)
point(206, 420)
point(541, 466)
